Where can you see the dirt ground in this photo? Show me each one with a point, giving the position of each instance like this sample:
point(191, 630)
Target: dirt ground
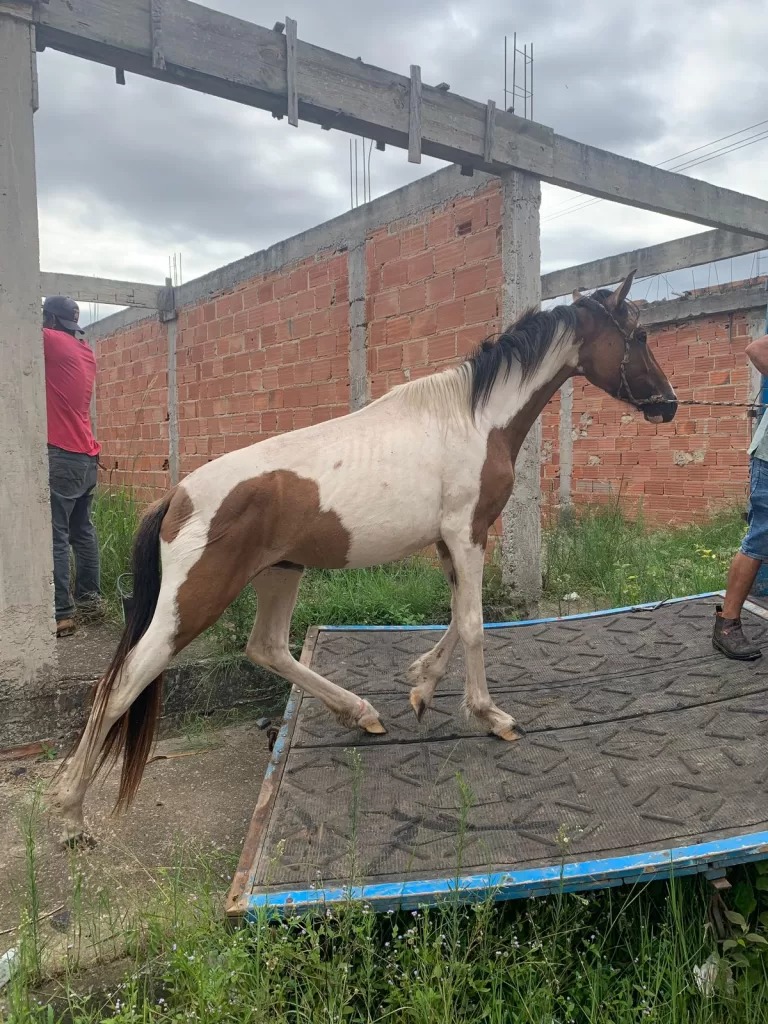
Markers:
point(204, 798)
point(87, 654)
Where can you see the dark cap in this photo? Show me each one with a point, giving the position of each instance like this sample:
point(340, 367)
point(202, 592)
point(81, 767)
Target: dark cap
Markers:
point(65, 310)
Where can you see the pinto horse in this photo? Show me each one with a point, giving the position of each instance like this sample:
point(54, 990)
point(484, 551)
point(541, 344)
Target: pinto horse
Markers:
point(431, 462)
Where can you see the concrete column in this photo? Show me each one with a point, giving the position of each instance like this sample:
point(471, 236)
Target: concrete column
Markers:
point(27, 643)
point(566, 447)
point(358, 328)
point(521, 263)
point(173, 404)
point(169, 316)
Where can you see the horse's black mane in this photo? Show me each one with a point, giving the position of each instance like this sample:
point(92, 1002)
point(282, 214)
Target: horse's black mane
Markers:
point(527, 340)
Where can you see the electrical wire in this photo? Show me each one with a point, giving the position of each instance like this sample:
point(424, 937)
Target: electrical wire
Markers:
point(686, 165)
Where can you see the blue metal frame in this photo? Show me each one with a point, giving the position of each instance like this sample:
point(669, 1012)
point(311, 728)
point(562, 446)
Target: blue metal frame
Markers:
point(578, 876)
point(574, 876)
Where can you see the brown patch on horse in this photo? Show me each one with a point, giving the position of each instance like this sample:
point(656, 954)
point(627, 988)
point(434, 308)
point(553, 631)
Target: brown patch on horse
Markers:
point(497, 477)
point(179, 512)
point(275, 517)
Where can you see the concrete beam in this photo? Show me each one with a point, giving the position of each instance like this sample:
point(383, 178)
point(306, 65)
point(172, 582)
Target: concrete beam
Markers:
point(27, 643)
point(102, 289)
point(226, 56)
point(737, 300)
point(521, 263)
point(679, 254)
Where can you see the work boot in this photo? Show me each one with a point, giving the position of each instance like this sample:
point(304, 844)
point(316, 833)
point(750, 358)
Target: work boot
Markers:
point(729, 639)
point(65, 627)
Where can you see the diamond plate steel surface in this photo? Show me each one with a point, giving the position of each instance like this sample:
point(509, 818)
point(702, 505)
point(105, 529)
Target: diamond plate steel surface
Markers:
point(639, 737)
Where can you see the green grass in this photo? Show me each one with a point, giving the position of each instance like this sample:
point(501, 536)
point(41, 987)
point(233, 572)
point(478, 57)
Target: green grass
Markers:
point(611, 560)
point(116, 516)
point(618, 957)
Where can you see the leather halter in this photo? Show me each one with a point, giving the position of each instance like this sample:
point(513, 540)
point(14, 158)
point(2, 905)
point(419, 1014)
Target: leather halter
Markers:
point(624, 391)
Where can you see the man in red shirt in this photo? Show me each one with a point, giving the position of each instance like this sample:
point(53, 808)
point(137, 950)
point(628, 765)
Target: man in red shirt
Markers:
point(73, 458)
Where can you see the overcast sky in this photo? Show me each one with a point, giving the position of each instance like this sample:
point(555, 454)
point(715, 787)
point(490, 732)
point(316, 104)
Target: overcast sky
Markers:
point(129, 175)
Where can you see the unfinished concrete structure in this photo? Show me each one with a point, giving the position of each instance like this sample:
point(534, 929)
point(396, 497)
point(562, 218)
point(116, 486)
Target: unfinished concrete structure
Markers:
point(390, 291)
point(186, 44)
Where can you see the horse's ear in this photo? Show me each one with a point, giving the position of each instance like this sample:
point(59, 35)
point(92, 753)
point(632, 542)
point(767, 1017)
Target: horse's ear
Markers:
point(576, 294)
point(622, 291)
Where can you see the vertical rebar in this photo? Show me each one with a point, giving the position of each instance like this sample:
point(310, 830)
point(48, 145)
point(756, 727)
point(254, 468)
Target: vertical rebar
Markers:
point(505, 72)
point(514, 70)
point(531, 81)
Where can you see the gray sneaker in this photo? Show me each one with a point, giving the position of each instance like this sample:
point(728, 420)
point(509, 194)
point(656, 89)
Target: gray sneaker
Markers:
point(90, 612)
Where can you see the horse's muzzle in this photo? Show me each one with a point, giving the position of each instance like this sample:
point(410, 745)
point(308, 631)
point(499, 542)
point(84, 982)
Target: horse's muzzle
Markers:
point(661, 412)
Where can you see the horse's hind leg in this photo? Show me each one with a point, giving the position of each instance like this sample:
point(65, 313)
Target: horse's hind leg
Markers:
point(145, 663)
point(135, 698)
point(429, 668)
point(277, 590)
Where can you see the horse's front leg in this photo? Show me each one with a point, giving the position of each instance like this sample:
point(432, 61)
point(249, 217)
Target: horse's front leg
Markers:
point(468, 560)
point(429, 668)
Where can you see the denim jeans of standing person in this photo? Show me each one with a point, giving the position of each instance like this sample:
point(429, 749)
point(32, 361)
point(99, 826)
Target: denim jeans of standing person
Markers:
point(72, 478)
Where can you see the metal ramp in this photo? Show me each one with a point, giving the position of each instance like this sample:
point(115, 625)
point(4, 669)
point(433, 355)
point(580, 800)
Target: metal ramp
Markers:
point(645, 756)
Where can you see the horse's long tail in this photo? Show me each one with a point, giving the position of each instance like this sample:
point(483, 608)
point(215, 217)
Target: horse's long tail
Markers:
point(133, 733)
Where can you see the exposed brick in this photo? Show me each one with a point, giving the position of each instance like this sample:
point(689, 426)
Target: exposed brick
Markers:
point(441, 347)
point(469, 280)
point(413, 297)
point(450, 314)
point(390, 357)
point(387, 304)
point(386, 249)
point(394, 274)
point(450, 257)
point(398, 329)
point(440, 288)
point(439, 229)
point(423, 323)
point(420, 267)
point(482, 246)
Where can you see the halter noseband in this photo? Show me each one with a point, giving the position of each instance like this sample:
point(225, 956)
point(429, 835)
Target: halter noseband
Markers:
point(624, 391)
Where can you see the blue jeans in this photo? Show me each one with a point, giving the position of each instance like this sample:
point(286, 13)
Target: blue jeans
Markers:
point(755, 544)
point(72, 478)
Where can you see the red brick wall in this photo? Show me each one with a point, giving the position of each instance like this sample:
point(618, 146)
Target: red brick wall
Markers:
point(433, 289)
point(272, 355)
point(132, 407)
point(268, 357)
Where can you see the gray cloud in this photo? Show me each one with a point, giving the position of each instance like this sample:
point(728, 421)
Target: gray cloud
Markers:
point(127, 175)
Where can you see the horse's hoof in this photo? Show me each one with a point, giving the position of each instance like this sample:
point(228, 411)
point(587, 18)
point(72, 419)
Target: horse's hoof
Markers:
point(78, 841)
point(418, 704)
point(511, 734)
point(374, 727)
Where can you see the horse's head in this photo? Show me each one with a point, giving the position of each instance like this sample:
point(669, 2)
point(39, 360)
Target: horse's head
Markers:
point(614, 356)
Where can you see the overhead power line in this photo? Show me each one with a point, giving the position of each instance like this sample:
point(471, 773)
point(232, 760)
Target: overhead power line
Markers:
point(685, 165)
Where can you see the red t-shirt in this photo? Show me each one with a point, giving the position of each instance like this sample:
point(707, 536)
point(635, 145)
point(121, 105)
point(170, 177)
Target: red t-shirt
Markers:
point(70, 372)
